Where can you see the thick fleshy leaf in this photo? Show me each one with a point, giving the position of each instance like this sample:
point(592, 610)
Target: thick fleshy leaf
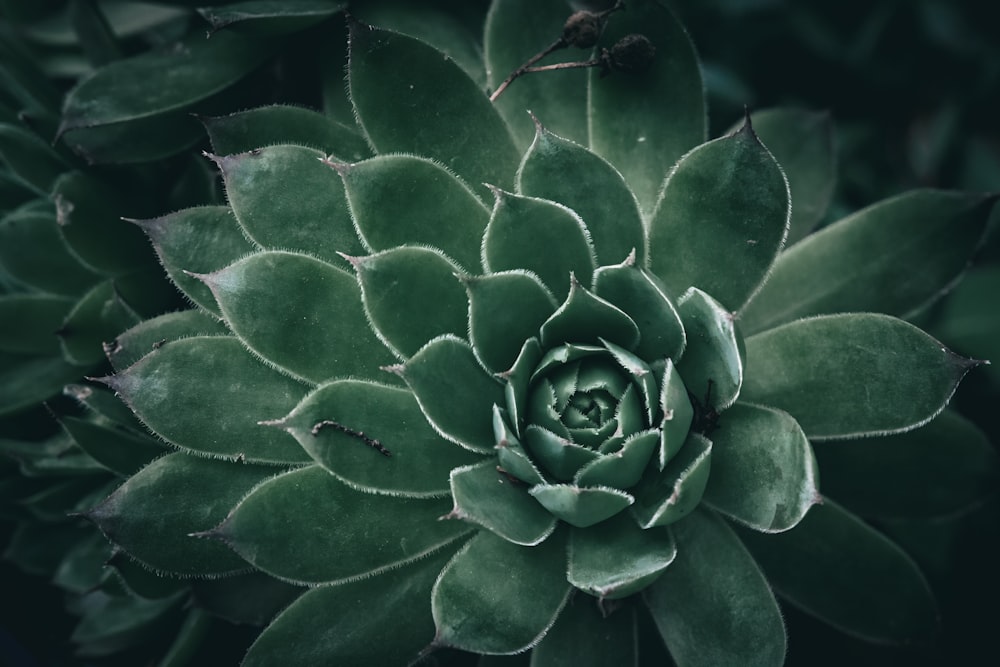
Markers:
point(860, 263)
point(721, 219)
point(346, 624)
point(623, 468)
point(263, 16)
point(643, 122)
point(121, 451)
point(454, 392)
point(585, 318)
point(413, 109)
point(28, 380)
point(678, 413)
point(89, 214)
point(38, 316)
point(617, 558)
point(286, 198)
point(38, 548)
point(478, 601)
point(540, 236)
point(29, 158)
point(763, 471)
point(197, 240)
point(97, 317)
point(172, 79)
point(505, 309)
point(404, 199)
point(484, 496)
point(206, 394)
point(581, 507)
point(561, 170)
point(557, 454)
point(374, 437)
point(584, 637)
point(345, 534)
point(643, 298)
point(146, 139)
point(713, 362)
point(514, 460)
point(852, 375)
point(198, 491)
point(558, 97)
point(283, 124)
point(412, 294)
point(132, 345)
point(837, 568)
point(939, 469)
point(33, 251)
point(456, 35)
point(802, 143)
point(112, 624)
point(713, 605)
point(252, 598)
point(663, 497)
point(299, 313)
point(103, 407)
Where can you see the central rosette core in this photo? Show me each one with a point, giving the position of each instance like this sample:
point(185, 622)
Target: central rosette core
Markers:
point(580, 404)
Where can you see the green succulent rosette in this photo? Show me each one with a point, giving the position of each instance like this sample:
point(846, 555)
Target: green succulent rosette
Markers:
point(484, 380)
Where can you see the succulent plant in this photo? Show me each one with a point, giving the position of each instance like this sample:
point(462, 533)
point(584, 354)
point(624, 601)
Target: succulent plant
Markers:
point(499, 381)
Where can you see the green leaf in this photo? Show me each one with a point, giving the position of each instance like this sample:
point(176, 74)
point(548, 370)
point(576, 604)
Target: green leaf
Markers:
point(563, 171)
point(38, 548)
point(584, 637)
point(411, 294)
point(137, 579)
point(802, 143)
point(714, 358)
point(121, 451)
point(30, 159)
point(300, 314)
point(585, 318)
point(505, 309)
point(713, 605)
point(33, 251)
point(623, 468)
point(558, 97)
point(112, 624)
point(455, 394)
point(411, 458)
point(852, 375)
point(284, 124)
point(38, 317)
point(581, 507)
point(253, 598)
point(103, 407)
point(942, 468)
point(90, 221)
point(346, 623)
point(82, 568)
point(641, 296)
point(478, 601)
point(198, 492)
point(559, 455)
point(132, 345)
point(412, 109)
point(96, 318)
point(287, 198)
point(404, 199)
point(196, 240)
point(539, 236)
point(141, 140)
point(721, 219)
point(866, 261)
point(643, 122)
point(270, 16)
point(663, 497)
point(678, 413)
point(501, 505)
point(835, 567)
point(345, 535)
point(617, 558)
point(207, 394)
point(172, 79)
point(763, 471)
